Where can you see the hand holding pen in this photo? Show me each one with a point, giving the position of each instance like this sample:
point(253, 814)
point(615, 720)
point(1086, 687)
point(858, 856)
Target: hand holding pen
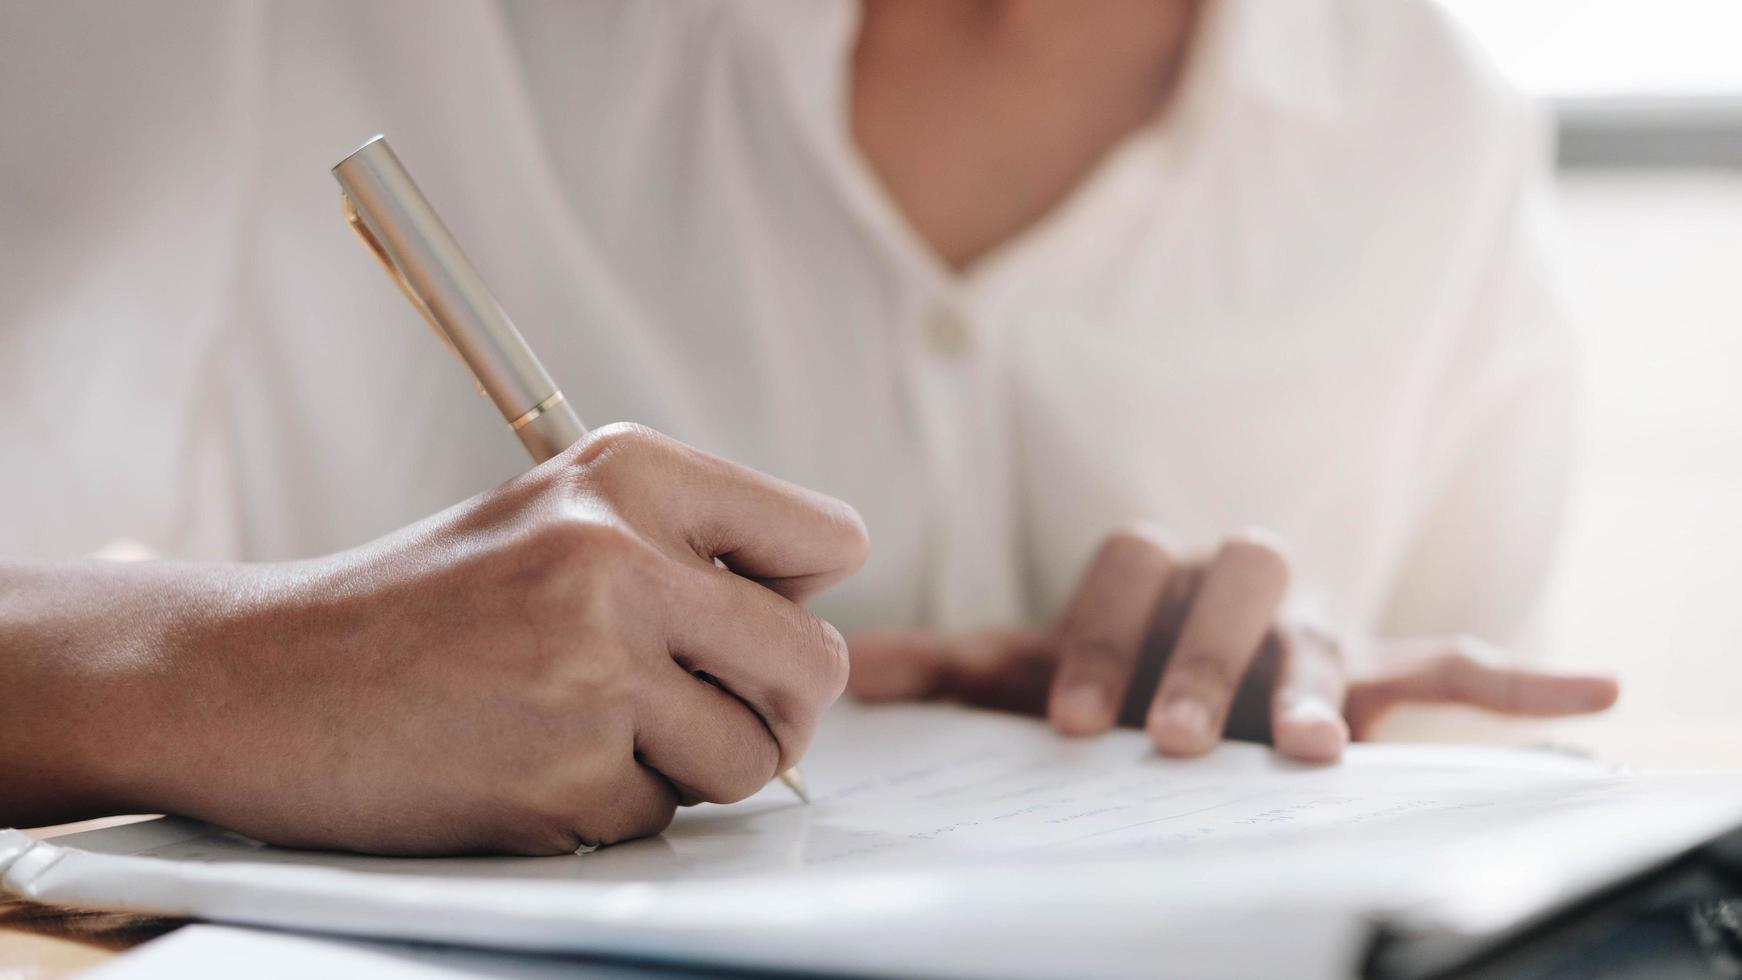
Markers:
point(398, 224)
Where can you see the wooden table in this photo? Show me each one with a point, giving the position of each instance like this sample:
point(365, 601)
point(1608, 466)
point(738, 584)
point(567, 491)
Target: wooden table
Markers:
point(38, 942)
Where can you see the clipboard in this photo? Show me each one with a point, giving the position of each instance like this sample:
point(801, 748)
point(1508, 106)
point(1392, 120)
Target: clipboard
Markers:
point(1566, 941)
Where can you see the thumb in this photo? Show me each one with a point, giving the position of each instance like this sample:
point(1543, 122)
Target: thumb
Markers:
point(1459, 675)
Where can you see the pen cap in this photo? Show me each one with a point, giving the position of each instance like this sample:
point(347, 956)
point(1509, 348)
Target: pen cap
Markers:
point(398, 223)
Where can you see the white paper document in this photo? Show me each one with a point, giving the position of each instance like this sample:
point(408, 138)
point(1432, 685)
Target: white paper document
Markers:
point(943, 841)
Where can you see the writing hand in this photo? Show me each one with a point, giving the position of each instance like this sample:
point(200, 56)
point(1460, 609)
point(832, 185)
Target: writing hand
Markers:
point(557, 662)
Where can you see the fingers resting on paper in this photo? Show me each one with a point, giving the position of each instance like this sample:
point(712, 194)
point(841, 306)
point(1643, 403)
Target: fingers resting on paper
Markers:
point(1140, 597)
point(1230, 615)
point(1105, 626)
point(1193, 650)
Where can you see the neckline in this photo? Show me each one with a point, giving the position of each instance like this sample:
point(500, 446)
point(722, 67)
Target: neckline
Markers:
point(877, 208)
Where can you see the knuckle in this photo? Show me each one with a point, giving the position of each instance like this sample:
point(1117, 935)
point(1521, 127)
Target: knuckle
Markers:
point(1335, 653)
point(617, 438)
point(1456, 672)
point(1311, 636)
point(607, 455)
point(1258, 554)
point(1462, 658)
point(1450, 662)
point(1470, 650)
point(1138, 545)
point(596, 562)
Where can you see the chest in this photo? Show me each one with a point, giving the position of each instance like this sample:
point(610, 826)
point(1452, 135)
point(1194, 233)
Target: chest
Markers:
point(979, 126)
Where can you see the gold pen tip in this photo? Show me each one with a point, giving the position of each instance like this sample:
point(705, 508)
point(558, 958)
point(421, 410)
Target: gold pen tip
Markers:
point(794, 781)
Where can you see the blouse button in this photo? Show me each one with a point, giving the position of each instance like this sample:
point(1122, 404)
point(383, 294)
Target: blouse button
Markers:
point(948, 332)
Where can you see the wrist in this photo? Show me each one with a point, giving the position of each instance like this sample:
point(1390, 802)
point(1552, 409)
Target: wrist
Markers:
point(117, 666)
point(187, 693)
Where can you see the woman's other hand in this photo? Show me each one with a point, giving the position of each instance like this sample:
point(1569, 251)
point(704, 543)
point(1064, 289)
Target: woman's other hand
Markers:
point(1192, 649)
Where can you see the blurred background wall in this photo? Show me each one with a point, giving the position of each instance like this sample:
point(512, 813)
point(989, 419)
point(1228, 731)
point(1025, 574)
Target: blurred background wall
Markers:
point(1648, 98)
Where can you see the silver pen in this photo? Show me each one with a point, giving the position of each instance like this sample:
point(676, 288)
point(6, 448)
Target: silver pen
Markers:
point(393, 218)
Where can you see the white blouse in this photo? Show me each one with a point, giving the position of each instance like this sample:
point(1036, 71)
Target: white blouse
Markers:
point(1314, 296)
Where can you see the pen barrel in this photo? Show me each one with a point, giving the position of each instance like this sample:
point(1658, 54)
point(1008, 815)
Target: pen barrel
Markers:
point(412, 241)
point(554, 429)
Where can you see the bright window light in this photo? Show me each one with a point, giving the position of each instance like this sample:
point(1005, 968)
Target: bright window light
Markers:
point(1576, 49)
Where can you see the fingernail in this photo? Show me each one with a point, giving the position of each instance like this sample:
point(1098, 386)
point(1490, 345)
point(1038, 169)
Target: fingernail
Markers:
point(1084, 708)
point(1183, 727)
point(1312, 731)
point(1311, 710)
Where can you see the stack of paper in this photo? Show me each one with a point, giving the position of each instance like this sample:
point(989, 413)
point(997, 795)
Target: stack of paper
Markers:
point(948, 842)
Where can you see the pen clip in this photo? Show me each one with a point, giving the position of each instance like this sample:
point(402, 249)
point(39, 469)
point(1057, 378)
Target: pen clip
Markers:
point(358, 225)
